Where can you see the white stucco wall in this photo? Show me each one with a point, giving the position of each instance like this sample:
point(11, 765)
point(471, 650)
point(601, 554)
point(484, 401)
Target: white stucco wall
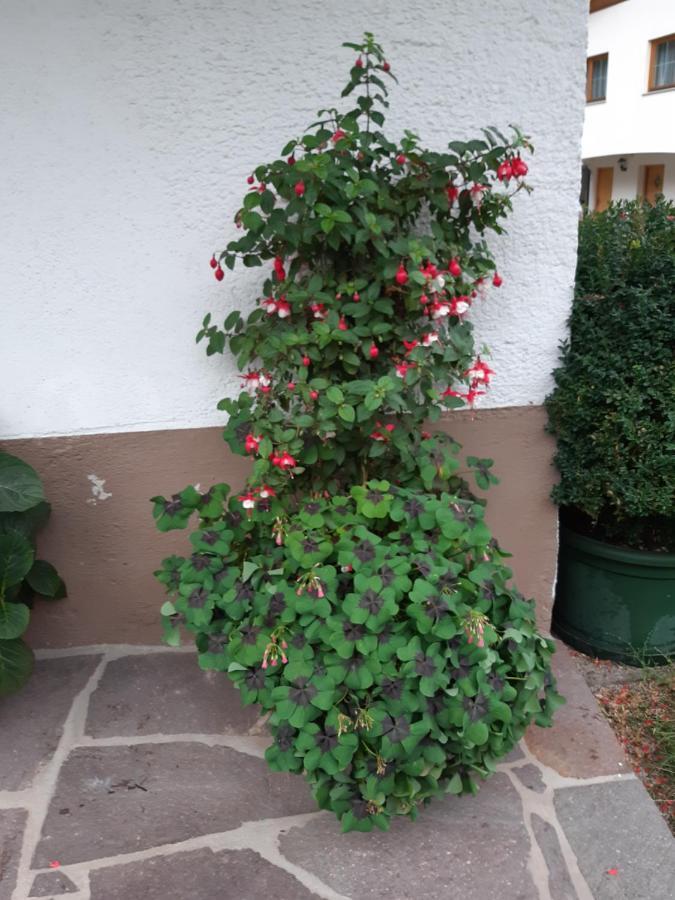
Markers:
point(630, 120)
point(130, 129)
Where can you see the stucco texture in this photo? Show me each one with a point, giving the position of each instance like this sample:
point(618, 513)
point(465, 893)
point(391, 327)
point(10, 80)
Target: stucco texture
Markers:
point(103, 541)
point(132, 128)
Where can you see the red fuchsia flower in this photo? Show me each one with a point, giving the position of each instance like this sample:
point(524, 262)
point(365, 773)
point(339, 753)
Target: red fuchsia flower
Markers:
point(426, 435)
point(497, 280)
point(385, 66)
point(253, 380)
point(429, 338)
point(454, 267)
point(400, 159)
point(452, 192)
point(283, 308)
point(402, 369)
point(291, 385)
point(252, 443)
point(347, 568)
point(459, 306)
point(248, 501)
point(279, 270)
point(213, 262)
point(377, 436)
point(285, 461)
point(472, 395)
point(342, 324)
point(262, 187)
point(299, 188)
point(269, 304)
point(250, 179)
point(266, 492)
point(479, 372)
point(410, 345)
point(401, 276)
point(519, 167)
point(448, 392)
point(424, 299)
point(373, 352)
point(291, 160)
point(338, 135)
point(359, 63)
point(314, 395)
point(306, 360)
point(438, 310)
point(477, 191)
point(318, 310)
point(356, 296)
point(389, 427)
point(429, 271)
point(219, 274)
point(504, 170)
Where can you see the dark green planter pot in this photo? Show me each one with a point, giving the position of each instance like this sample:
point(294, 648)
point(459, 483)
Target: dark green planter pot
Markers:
point(615, 603)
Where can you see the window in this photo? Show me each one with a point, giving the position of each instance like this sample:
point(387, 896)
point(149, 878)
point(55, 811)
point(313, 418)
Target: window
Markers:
point(596, 78)
point(662, 63)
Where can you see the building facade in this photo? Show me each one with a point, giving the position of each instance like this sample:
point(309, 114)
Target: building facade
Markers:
point(132, 130)
point(629, 127)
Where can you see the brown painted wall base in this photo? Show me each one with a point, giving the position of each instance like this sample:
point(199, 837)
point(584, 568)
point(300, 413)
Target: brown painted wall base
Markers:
point(107, 549)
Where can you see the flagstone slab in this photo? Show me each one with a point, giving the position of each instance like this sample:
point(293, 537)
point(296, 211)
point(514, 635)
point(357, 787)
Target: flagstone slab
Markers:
point(580, 743)
point(616, 826)
point(12, 823)
point(199, 875)
point(31, 721)
point(166, 693)
point(530, 776)
point(52, 884)
point(458, 847)
point(111, 800)
point(559, 882)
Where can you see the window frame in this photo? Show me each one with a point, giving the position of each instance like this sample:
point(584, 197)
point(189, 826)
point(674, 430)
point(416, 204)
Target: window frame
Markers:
point(653, 47)
point(590, 62)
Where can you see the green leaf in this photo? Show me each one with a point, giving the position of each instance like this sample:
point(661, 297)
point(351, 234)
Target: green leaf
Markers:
point(335, 395)
point(347, 412)
point(20, 485)
point(14, 619)
point(16, 665)
point(45, 580)
point(16, 558)
point(478, 733)
point(248, 569)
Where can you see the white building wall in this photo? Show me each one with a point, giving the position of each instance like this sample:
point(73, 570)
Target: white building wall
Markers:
point(631, 120)
point(130, 129)
point(629, 184)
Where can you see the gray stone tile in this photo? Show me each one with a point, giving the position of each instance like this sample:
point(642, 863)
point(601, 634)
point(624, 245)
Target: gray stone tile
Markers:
point(199, 875)
point(31, 721)
point(581, 743)
point(12, 822)
point(559, 882)
point(530, 776)
point(469, 847)
point(111, 800)
point(52, 884)
point(166, 693)
point(617, 826)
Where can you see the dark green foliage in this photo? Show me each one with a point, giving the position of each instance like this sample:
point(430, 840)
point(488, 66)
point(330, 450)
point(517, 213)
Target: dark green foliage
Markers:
point(352, 587)
point(613, 408)
point(23, 511)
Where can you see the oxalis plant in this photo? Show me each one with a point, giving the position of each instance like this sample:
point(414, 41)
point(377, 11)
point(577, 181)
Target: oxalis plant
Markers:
point(351, 587)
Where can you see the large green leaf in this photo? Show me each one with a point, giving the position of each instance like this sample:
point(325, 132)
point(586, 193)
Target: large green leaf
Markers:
point(16, 664)
point(28, 522)
point(14, 618)
point(16, 558)
point(20, 485)
point(45, 580)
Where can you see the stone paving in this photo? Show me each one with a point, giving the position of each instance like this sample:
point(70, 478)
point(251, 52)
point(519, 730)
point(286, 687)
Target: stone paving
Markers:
point(126, 772)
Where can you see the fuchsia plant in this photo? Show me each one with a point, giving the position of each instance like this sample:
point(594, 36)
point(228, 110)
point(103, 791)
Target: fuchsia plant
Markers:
point(352, 587)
